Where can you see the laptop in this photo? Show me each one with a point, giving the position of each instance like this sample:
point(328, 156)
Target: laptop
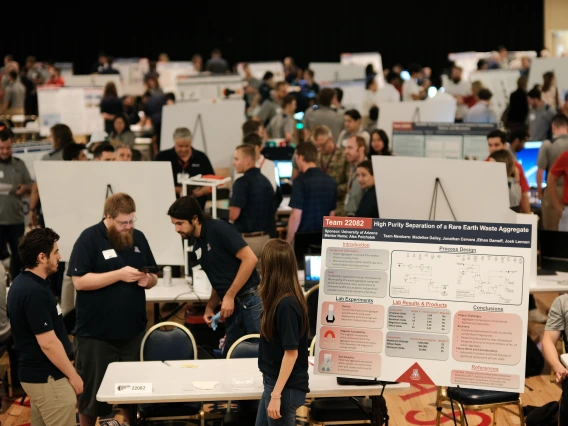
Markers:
point(312, 270)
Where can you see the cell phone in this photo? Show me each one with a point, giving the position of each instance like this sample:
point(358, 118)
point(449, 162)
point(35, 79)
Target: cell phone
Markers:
point(149, 269)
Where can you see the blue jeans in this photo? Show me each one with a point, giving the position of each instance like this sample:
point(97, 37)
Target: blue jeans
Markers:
point(291, 400)
point(245, 319)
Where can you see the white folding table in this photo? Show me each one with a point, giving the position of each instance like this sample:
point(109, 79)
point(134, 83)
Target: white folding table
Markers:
point(175, 383)
point(550, 283)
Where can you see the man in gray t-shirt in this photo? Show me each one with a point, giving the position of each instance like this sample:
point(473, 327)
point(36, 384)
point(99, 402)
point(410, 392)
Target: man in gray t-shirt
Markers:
point(15, 182)
point(540, 116)
point(555, 327)
point(547, 156)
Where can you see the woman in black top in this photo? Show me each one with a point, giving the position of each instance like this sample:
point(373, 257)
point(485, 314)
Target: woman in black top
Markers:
point(111, 106)
point(368, 206)
point(379, 143)
point(283, 351)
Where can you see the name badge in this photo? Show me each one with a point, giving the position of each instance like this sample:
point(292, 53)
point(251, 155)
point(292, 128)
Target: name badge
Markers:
point(198, 253)
point(59, 311)
point(532, 117)
point(133, 389)
point(1, 174)
point(109, 254)
point(181, 177)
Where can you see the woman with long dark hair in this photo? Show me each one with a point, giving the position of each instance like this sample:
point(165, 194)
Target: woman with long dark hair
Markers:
point(379, 143)
point(111, 106)
point(283, 352)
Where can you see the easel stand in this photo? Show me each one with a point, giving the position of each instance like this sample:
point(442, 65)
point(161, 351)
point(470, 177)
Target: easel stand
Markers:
point(434, 204)
point(198, 180)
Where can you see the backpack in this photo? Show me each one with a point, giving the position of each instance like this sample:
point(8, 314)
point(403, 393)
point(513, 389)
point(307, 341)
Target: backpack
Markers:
point(535, 360)
point(547, 415)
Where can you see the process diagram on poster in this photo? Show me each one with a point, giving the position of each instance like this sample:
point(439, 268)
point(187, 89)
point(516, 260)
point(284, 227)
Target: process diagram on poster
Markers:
point(424, 302)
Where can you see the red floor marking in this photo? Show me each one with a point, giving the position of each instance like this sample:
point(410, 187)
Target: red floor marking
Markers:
point(422, 391)
point(411, 418)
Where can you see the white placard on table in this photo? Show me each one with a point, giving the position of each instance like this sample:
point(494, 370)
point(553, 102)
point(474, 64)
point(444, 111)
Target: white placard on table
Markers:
point(425, 302)
point(133, 389)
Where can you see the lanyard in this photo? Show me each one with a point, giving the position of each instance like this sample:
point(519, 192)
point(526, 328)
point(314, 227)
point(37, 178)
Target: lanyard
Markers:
point(324, 168)
point(262, 162)
point(183, 164)
point(352, 177)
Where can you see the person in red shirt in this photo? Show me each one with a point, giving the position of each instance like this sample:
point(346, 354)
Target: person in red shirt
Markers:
point(56, 79)
point(559, 170)
point(496, 140)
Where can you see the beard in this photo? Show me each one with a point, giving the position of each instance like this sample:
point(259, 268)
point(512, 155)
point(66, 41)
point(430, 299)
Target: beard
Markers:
point(456, 80)
point(121, 240)
point(52, 267)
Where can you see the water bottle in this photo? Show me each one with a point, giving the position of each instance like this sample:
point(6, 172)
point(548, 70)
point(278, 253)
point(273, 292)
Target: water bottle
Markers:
point(167, 276)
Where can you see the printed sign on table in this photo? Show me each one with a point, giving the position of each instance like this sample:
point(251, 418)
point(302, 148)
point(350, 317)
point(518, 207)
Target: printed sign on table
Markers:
point(425, 302)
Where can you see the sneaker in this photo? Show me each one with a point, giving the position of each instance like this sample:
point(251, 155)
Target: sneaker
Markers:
point(536, 316)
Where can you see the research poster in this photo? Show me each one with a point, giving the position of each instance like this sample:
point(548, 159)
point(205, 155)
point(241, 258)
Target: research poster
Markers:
point(424, 302)
point(467, 141)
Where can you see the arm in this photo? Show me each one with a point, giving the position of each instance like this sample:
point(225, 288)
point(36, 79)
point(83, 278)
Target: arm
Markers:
point(539, 179)
point(553, 194)
point(234, 213)
point(108, 116)
point(148, 281)
point(212, 303)
point(24, 189)
point(92, 281)
point(293, 224)
point(53, 349)
point(551, 354)
point(525, 205)
point(286, 367)
point(248, 263)
point(34, 200)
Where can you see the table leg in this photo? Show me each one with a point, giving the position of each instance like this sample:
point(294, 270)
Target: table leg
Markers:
point(156, 313)
point(133, 414)
point(376, 417)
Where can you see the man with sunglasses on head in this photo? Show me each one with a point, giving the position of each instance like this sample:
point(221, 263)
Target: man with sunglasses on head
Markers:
point(111, 266)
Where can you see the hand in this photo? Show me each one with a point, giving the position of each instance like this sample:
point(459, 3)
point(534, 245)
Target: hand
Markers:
point(77, 384)
point(560, 374)
point(228, 306)
point(144, 281)
point(540, 193)
point(200, 192)
point(34, 221)
point(129, 274)
point(288, 137)
point(273, 408)
point(21, 189)
point(179, 190)
point(208, 315)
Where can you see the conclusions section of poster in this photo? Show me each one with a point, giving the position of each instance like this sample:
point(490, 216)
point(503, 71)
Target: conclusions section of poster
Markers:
point(441, 303)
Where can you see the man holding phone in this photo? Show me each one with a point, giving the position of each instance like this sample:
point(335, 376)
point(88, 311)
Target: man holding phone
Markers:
point(111, 266)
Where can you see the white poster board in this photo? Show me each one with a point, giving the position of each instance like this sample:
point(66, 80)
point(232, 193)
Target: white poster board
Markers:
point(353, 93)
point(442, 111)
point(541, 65)
point(501, 83)
point(424, 302)
point(475, 190)
point(169, 72)
point(365, 59)
point(327, 72)
point(208, 87)
point(77, 107)
point(73, 194)
point(258, 69)
point(95, 80)
point(132, 72)
point(216, 127)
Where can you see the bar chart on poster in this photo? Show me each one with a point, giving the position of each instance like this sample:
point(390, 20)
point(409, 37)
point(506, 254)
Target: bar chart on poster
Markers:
point(425, 302)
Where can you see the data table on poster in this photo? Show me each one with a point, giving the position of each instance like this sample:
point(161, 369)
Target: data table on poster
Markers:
point(424, 302)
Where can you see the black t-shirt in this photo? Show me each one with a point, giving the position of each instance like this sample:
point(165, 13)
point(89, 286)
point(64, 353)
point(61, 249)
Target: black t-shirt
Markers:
point(33, 310)
point(368, 205)
point(253, 194)
point(216, 251)
point(287, 336)
point(198, 164)
point(111, 106)
point(117, 311)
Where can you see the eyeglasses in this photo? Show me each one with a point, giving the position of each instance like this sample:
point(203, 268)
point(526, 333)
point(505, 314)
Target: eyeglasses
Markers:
point(126, 222)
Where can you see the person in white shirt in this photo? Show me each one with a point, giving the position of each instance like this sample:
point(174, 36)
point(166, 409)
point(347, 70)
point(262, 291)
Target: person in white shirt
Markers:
point(266, 166)
point(411, 91)
point(458, 88)
point(388, 93)
point(370, 97)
